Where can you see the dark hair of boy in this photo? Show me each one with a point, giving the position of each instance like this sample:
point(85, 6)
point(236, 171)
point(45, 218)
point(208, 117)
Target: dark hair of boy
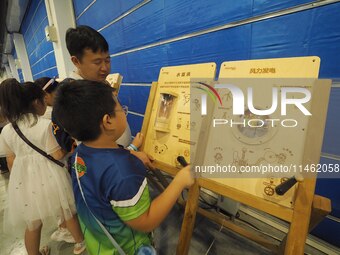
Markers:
point(17, 100)
point(41, 82)
point(80, 106)
point(84, 37)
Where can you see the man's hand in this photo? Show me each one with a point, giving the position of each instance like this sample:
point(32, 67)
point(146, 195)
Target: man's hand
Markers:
point(145, 158)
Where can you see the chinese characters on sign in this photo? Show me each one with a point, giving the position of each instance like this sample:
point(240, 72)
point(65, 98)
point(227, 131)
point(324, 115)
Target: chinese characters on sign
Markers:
point(262, 70)
point(183, 74)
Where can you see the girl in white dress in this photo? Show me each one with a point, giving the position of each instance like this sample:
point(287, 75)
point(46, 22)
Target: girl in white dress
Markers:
point(38, 188)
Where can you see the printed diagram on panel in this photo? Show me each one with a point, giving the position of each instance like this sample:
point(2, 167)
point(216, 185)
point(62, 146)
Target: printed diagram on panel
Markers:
point(170, 129)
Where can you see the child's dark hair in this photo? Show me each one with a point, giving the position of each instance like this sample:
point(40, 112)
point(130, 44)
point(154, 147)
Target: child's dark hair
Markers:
point(80, 105)
point(41, 82)
point(84, 37)
point(16, 99)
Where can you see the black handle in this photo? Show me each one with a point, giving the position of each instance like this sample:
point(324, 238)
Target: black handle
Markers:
point(182, 161)
point(285, 186)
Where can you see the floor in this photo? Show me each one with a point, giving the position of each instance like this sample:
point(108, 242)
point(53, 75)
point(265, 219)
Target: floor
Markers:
point(208, 238)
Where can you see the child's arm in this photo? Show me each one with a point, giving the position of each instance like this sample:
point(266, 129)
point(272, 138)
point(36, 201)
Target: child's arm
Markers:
point(10, 160)
point(161, 206)
point(59, 154)
point(5, 149)
point(138, 140)
point(145, 158)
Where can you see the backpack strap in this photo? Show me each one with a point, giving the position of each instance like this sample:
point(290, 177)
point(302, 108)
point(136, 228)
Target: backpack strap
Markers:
point(113, 241)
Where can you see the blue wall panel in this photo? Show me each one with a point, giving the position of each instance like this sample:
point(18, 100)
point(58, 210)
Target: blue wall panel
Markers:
point(231, 44)
point(328, 228)
point(114, 35)
point(79, 6)
point(98, 16)
point(264, 6)
point(53, 72)
point(145, 25)
point(39, 67)
point(21, 76)
point(284, 36)
point(331, 140)
point(324, 39)
point(135, 123)
point(326, 187)
point(33, 30)
point(30, 12)
point(119, 65)
point(305, 33)
point(135, 97)
point(157, 20)
point(198, 15)
point(144, 65)
point(42, 51)
point(37, 38)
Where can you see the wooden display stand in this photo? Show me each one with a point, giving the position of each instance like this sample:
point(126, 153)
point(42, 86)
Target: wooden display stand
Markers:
point(115, 80)
point(166, 137)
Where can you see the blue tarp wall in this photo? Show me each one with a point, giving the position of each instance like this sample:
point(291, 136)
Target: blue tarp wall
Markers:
point(310, 32)
point(305, 33)
point(40, 52)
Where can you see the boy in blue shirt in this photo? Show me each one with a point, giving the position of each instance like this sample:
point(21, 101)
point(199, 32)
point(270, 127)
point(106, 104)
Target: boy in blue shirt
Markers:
point(112, 179)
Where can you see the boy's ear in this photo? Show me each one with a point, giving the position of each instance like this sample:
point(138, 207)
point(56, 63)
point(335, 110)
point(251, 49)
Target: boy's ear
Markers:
point(107, 122)
point(75, 61)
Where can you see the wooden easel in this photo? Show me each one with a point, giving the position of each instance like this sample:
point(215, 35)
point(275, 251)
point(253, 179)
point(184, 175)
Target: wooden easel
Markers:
point(308, 210)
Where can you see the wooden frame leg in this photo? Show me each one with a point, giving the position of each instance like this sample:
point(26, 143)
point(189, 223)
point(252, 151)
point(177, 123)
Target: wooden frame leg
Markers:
point(298, 230)
point(188, 220)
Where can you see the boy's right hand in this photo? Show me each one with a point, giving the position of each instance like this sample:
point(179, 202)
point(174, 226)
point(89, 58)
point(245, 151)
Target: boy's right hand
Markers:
point(184, 177)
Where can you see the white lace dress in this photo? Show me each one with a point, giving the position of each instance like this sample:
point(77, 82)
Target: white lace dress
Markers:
point(38, 189)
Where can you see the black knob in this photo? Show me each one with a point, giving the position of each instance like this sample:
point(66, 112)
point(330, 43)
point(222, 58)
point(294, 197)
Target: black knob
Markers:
point(182, 161)
point(285, 186)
